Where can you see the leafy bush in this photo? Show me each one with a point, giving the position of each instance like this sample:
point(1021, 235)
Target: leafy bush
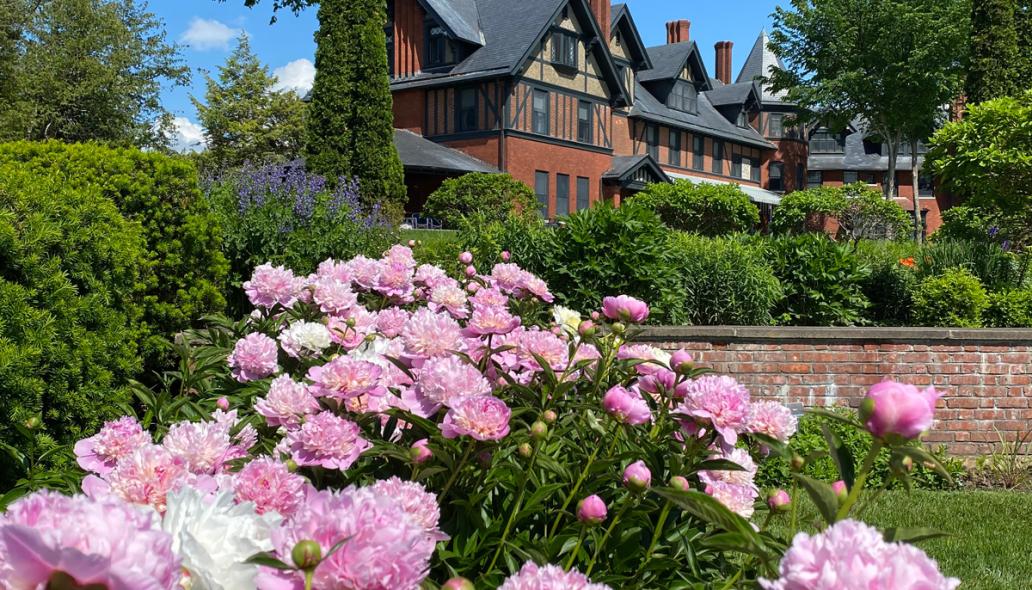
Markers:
point(725, 281)
point(287, 216)
point(703, 208)
point(809, 441)
point(526, 239)
point(968, 224)
point(955, 298)
point(806, 211)
point(822, 281)
point(891, 283)
point(994, 267)
point(1009, 309)
point(494, 196)
point(867, 215)
point(70, 313)
point(185, 271)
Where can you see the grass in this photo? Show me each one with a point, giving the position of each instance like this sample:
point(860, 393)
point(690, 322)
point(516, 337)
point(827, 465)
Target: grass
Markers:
point(989, 546)
point(429, 236)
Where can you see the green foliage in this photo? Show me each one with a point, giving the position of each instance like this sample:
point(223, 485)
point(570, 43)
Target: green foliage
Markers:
point(350, 125)
point(70, 288)
point(85, 70)
point(185, 271)
point(245, 118)
point(823, 281)
point(995, 60)
point(703, 208)
point(955, 298)
point(963, 223)
point(861, 213)
point(807, 211)
point(725, 281)
point(1009, 309)
point(995, 268)
point(809, 442)
point(987, 155)
point(491, 197)
point(890, 285)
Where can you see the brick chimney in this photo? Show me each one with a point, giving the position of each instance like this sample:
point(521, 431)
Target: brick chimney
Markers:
point(724, 61)
point(602, 10)
point(678, 31)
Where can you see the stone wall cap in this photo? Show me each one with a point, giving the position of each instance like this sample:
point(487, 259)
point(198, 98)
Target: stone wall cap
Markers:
point(843, 335)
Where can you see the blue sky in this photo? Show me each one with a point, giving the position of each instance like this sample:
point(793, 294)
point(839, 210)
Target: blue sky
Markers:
point(207, 28)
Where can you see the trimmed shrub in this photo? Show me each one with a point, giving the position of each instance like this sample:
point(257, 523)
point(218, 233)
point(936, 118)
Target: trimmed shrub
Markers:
point(185, 271)
point(493, 197)
point(806, 211)
point(1009, 309)
point(822, 280)
point(525, 238)
point(69, 311)
point(725, 281)
point(955, 299)
point(703, 208)
point(867, 215)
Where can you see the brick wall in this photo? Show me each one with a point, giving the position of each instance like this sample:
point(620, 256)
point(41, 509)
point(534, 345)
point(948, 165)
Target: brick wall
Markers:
point(986, 375)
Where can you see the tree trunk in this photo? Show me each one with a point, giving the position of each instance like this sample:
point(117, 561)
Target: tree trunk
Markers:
point(916, 172)
point(889, 181)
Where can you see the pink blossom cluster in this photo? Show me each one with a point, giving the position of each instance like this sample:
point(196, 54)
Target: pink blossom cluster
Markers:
point(549, 577)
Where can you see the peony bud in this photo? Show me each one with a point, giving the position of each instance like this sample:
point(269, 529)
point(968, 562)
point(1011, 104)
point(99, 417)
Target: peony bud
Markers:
point(907, 463)
point(586, 329)
point(549, 417)
point(419, 452)
point(798, 462)
point(471, 271)
point(625, 309)
point(779, 501)
point(680, 483)
point(466, 257)
point(595, 315)
point(841, 491)
point(222, 403)
point(306, 555)
point(538, 430)
point(506, 256)
point(291, 465)
point(681, 362)
point(591, 510)
point(619, 328)
point(412, 243)
point(472, 287)
point(898, 410)
point(525, 450)
point(637, 477)
point(485, 458)
point(626, 406)
point(458, 584)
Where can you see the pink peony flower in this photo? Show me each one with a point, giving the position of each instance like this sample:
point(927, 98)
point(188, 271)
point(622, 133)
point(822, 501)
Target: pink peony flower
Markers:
point(779, 501)
point(507, 277)
point(549, 577)
point(413, 498)
point(206, 447)
point(626, 406)
point(401, 256)
point(546, 345)
point(395, 282)
point(332, 269)
point(740, 499)
point(102, 542)
point(364, 272)
point(482, 417)
point(655, 359)
point(840, 489)
point(145, 476)
point(450, 298)
point(772, 419)
point(102, 451)
point(492, 320)
point(447, 380)
point(420, 451)
point(346, 378)
point(536, 287)
point(271, 286)
point(681, 361)
point(739, 457)
point(850, 555)
point(270, 486)
point(625, 309)
point(492, 297)
point(430, 276)
point(327, 441)
point(334, 296)
point(900, 410)
point(637, 476)
point(591, 510)
point(287, 403)
point(351, 332)
point(719, 401)
point(386, 547)
point(430, 334)
point(391, 321)
point(466, 257)
point(253, 357)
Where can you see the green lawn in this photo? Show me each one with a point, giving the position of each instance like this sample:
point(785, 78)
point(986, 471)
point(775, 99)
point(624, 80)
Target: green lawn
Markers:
point(990, 542)
point(429, 237)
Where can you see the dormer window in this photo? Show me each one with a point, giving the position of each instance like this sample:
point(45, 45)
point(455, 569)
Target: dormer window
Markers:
point(440, 49)
point(564, 49)
point(684, 97)
point(826, 142)
point(743, 119)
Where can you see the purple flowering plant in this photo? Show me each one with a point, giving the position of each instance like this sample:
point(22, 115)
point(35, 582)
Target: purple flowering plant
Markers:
point(379, 424)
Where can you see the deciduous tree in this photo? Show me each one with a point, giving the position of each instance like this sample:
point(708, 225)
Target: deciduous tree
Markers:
point(995, 58)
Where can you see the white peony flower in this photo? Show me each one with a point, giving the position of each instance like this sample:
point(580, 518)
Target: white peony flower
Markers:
point(214, 536)
point(566, 318)
point(305, 339)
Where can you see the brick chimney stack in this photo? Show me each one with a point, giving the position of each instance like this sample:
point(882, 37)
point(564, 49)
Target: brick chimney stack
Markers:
point(602, 10)
point(724, 61)
point(678, 31)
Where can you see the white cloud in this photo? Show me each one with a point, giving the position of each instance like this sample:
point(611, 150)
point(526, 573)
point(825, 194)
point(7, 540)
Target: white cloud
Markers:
point(204, 34)
point(187, 136)
point(298, 75)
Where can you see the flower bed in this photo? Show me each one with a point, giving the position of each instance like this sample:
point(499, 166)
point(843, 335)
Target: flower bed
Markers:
point(380, 425)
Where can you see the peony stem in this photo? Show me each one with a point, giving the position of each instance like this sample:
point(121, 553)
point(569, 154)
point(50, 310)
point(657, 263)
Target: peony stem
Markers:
point(455, 473)
point(609, 531)
point(576, 548)
point(580, 481)
point(655, 535)
point(309, 573)
point(515, 510)
point(861, 478)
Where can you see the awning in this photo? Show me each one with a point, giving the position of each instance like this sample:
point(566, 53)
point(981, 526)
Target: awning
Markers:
point(756, 194)
point(421, 155)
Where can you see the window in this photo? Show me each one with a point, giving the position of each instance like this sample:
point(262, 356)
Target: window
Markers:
point(583, 193)
point(775, 125)
point(754, 170)
point(564, 49)
point(743, 119)
point(826, 142)
point(698, 152)
point(541, 190)
point(925, 185)
point(718, 157)
point(674, 157)
point(562, 194)
point(736, 166)
point(814, 179)
point(585, 132)
point(850, 177)
point(777, 177)
point(540, 121)
point(466, 109)
point(866, 177)
point(684, 97)
point(440, 50)
point(652, 141)
point(800, 174)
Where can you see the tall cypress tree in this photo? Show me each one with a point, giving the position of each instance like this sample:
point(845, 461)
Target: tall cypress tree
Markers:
point(995, 56)
point(350, 125)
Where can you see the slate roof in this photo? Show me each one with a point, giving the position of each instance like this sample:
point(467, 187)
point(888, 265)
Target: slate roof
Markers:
point(422, 155)
point(729, 94)
point(667, 61)
point(623, 21)
point(758, 65)
point(856, 158)
point(460, 17)
point(623, 166)
point(707, 121)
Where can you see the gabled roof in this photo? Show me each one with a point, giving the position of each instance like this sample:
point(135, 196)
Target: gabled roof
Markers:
point(422, 155)
point(623, 22)
point(758, 65)
point(625, 168)
point(708, 120)
point(460, 17)
point(731, 94)
point(668, 61)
